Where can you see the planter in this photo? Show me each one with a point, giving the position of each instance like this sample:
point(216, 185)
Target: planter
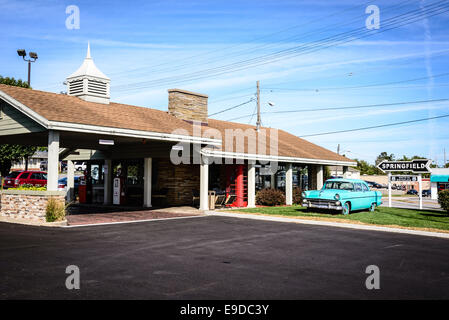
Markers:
point(27, 205)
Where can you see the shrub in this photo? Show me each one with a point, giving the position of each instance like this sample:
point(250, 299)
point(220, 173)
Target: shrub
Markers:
point(270, 197)
point(443, 199)
point(297, 195)
point(55, 210)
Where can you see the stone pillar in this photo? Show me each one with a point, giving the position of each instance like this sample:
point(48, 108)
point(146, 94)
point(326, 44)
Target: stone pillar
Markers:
point(289, 184)
point(107, 181)
point(53, 160)
point(70, 180)
point(147, 168)
point(204, 184)
point(251, 184)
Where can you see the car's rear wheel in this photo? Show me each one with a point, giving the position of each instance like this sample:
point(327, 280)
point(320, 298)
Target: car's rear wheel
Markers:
point(346, 208)
point(373, 207)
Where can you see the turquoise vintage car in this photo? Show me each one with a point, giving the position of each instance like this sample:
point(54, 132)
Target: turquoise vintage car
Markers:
point(344, 195)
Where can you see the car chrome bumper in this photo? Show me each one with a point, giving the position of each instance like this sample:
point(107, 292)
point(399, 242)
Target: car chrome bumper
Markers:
point(329, 205)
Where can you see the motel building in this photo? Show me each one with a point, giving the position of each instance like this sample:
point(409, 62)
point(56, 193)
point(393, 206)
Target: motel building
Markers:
point(138, 156)
point(439, 181)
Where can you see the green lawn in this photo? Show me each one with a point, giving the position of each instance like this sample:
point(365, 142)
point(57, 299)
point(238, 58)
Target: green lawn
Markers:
point(382, 216)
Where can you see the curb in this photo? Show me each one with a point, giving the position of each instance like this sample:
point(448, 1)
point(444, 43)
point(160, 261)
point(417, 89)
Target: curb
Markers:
point(331, 224)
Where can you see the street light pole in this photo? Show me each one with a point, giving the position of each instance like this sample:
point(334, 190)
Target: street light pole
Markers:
point(33, 57)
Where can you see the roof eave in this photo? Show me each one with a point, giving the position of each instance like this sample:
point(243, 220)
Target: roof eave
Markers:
point(262, 157)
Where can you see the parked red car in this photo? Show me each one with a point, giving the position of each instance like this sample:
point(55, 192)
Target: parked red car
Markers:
point(17, 178)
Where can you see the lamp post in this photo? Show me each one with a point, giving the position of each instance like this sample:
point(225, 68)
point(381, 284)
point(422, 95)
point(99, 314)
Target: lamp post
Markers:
point(33, 57)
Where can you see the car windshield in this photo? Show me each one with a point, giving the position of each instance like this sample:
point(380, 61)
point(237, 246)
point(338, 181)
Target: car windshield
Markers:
point(13, 175)
point(339, 185)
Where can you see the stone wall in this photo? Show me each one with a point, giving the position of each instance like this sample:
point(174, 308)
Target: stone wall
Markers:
point(187, 105)
point(180, 180)
point(26, 204)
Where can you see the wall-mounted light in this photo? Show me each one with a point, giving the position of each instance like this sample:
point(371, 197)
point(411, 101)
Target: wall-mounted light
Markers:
point(106, 142)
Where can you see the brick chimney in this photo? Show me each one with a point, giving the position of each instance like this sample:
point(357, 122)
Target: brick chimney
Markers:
point(187, 105)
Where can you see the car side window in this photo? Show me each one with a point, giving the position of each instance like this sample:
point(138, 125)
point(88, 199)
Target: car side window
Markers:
point(35, 176)
point(43, 176)
point(358, 187)
point(364, 187)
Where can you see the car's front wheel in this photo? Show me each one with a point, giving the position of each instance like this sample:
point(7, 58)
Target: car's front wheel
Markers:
point(346, 208)
point(373, 207)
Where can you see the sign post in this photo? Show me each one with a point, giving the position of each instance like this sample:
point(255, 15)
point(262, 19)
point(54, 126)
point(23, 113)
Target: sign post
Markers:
point(419, 166)
point(420, 191)
point(389, 189)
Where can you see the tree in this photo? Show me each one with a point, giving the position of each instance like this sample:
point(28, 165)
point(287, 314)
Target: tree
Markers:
point(14, 82)
point(365, 168)
point(10, 152)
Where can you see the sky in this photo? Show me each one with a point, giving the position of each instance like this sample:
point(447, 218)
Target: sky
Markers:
point(307, 55)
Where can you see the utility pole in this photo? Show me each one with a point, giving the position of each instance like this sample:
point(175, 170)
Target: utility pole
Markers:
point(258, 107)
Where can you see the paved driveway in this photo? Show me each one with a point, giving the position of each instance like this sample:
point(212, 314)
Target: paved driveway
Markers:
point(219, 258)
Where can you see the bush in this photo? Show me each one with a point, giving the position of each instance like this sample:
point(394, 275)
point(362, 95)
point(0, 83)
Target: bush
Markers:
point(297, 195)
point(443, 199)
point(55, 210)
point(270, 197)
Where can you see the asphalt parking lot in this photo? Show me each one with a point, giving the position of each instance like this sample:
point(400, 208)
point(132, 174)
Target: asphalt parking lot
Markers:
point(219, 258)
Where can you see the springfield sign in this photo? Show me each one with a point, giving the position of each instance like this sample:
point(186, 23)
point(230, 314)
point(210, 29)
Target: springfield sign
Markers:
point(416, 166)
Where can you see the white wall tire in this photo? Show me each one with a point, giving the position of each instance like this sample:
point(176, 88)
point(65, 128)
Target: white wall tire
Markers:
point(346, 208)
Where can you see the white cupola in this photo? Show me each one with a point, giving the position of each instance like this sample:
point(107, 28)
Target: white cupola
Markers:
point(88, 82)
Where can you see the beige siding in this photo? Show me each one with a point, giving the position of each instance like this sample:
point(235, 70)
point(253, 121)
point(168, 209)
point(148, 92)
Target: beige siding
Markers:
point(15, 122)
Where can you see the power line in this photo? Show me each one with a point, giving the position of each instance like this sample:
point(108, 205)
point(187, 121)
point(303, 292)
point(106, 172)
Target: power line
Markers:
point(343, 108)
point(245, 51)
point(388, 24)
point(239, 105)
point(364, 86)
point(374, 127)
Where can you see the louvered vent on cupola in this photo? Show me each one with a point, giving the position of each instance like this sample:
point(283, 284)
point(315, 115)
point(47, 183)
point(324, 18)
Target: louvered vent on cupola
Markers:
point(89, 83)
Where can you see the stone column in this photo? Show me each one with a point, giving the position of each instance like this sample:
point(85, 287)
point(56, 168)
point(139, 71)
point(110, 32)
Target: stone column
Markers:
point(107, 181)
point(70, 180)
point(53, 160)
point(147, 167)
point(251, 184)
point(204, 184)
point(289, 184)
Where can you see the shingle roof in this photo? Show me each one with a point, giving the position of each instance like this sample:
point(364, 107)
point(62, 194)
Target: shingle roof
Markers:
point(289, 145)
point(64, 108)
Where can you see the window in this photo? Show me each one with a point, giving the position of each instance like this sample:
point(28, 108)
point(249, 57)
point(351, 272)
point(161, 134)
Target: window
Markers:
point(13, 175)
point(1, 112)
point(24, 175)
point(365, 188)
point(339, 185)
point(37, 176)
point(358, 187)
